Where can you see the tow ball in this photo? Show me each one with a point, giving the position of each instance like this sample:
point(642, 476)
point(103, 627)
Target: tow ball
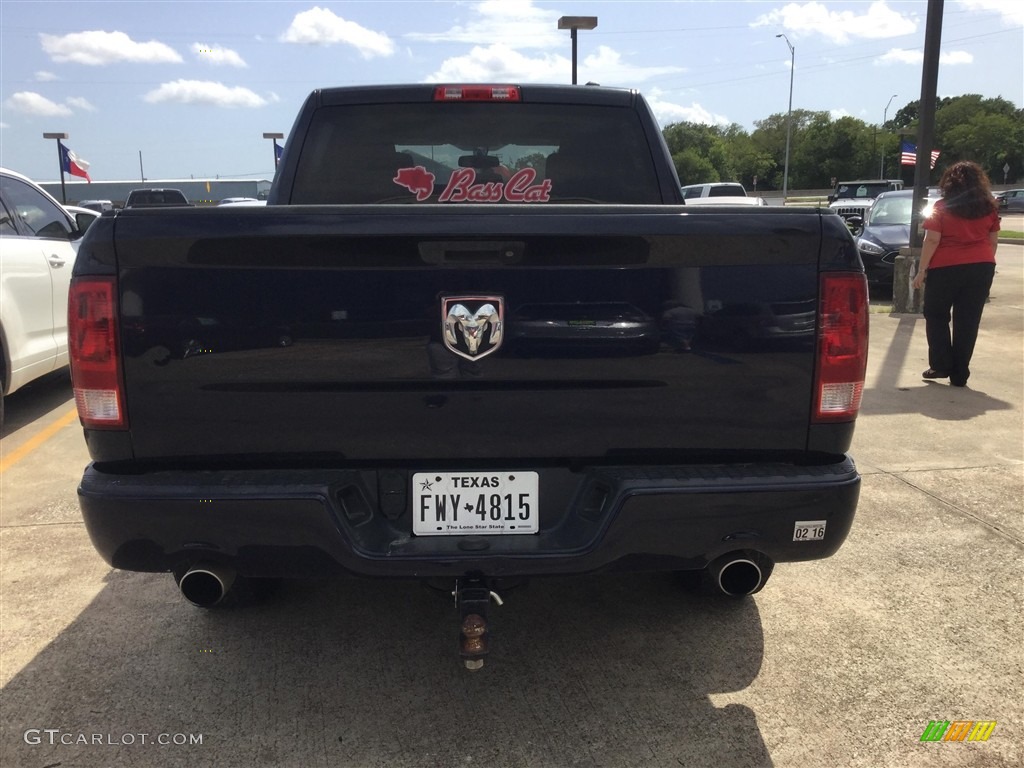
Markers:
point(472, 599)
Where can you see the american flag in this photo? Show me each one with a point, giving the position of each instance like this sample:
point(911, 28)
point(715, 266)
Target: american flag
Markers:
point(909, 156)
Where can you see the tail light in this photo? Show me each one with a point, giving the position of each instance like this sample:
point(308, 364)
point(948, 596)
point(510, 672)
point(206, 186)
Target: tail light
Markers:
point(93, 347)
point(842, 347)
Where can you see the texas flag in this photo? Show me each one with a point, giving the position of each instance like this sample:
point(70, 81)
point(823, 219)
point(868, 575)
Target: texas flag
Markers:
point(73, 164)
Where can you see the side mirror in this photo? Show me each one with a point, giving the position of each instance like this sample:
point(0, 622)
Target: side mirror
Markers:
point(83, 220)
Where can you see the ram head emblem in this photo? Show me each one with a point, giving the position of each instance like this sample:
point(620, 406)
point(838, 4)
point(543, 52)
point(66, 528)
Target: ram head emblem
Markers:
point(473, 325)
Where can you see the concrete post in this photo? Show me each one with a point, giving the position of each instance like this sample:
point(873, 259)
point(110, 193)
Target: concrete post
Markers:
point(905, 300)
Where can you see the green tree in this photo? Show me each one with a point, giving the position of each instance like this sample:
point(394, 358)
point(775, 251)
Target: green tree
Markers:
point(842, 148)
point(769, 137)
point(692, 165)
point(989, 131)
point(536, 160)
point(747, 159)
point(701, 153)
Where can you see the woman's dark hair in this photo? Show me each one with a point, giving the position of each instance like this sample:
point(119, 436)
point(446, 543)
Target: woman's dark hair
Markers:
point(967, 191)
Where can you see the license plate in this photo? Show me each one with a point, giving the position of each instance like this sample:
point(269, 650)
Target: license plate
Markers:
point(809, 530)
point(461, 503)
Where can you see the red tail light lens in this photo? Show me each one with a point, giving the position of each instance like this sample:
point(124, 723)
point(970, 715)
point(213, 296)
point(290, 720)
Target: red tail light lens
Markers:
point(95, 353)
point(476, 93)
point(842, 347)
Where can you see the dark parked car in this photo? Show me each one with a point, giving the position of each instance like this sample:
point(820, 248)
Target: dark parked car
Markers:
point(1012, 200)
point(886, 230)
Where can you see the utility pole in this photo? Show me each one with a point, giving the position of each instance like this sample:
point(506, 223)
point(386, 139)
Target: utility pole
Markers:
point(904, 298)
point(789, 116)
point(60, 162)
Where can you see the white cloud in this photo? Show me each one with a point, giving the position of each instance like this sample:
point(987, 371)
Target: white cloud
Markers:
point(514, 26)
point(952, 58)
point(513, 23)
point(835, 114)
point(45, 77)
point(204, 92)
point(607, 67)
point(1012, 11)
point(30, 103)
point(500, 63)
point(916, 58)
point(668, 112)
point(79, 103)
point(212, 54)
point(96, 48)
point(319, 26)
point(879, 21)
point(900, 56)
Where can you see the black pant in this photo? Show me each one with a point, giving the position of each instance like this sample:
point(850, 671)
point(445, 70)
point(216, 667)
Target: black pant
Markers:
point(960, 291)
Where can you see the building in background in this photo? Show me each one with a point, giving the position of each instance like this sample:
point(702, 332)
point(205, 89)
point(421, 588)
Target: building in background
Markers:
point(198, 191)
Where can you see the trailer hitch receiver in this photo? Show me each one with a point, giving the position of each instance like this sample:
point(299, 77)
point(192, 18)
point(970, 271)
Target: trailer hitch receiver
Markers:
point(472, 599)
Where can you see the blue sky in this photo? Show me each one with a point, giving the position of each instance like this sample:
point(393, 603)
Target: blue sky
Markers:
point(193, 85)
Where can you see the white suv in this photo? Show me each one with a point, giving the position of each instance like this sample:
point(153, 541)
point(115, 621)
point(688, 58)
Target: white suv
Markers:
point(854, 198)
point(38, 245)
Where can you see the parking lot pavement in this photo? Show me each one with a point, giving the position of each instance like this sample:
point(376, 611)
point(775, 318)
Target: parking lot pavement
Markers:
point(840, 662)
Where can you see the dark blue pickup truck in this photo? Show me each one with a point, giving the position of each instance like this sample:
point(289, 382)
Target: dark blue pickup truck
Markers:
point(476, 335)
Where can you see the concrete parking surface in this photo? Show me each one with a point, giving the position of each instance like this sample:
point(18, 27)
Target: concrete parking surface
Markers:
point(841, 662)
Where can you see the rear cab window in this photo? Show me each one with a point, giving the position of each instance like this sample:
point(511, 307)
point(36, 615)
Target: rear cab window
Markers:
point(475, 153)
point(727, 190)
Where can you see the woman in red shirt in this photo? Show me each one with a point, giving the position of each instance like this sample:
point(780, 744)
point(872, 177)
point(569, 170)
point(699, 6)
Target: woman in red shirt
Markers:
point(958, 260)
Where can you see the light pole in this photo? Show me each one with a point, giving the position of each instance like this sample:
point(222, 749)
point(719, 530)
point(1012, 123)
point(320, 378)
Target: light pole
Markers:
point(573, 23)
point(881, 162)
point(789, 116)
point(60, 162)
point(274, 137)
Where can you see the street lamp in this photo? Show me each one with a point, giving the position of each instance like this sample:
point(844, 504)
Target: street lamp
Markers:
point(881, 162)
point(60, 162)
point(789, 116)
point(277, 150)
point(573, 23)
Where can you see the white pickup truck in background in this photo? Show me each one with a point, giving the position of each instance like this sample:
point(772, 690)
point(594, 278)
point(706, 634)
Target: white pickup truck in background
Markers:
point(719, 193)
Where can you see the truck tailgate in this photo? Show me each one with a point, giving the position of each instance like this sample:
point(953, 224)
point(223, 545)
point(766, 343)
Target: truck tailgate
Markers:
point(652, 333)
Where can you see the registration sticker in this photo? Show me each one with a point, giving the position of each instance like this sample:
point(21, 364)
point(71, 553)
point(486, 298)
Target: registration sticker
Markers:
point(809, 530)
point(462, 503)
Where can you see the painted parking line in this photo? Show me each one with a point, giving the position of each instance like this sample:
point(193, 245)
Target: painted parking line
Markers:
point(36, 441)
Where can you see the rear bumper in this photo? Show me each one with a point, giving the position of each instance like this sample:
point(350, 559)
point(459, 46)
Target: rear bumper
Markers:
point(312, 523)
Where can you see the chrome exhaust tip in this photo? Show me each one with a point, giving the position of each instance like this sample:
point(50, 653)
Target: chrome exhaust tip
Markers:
point(739, 577)
point(206, 585)
point(741, 574)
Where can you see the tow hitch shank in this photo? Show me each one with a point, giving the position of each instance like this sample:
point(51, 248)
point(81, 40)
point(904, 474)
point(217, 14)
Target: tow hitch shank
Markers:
point(472, 598)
